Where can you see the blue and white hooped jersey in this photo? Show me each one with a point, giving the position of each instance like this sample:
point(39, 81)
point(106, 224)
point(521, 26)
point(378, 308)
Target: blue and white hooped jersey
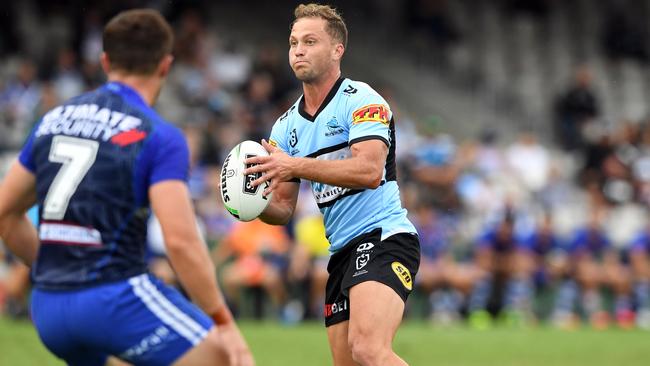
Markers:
point(352, 112)
point(94, 158)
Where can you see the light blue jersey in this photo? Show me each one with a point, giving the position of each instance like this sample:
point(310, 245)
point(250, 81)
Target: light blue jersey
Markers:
point(352, 112)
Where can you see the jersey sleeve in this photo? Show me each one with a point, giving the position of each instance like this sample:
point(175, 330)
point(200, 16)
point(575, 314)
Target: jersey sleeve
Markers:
point(369, 118)
point(170, 158)
point(278, 136)
point(26, 157)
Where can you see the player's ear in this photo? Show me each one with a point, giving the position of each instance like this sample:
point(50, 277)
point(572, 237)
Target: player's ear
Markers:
point(165, 65)
point(338, 51)
point(106, 63)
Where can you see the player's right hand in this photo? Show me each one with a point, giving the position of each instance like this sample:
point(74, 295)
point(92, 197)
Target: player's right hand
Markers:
point(236, 347)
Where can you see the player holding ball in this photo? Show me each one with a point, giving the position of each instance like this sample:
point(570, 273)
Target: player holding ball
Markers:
point(340, 136)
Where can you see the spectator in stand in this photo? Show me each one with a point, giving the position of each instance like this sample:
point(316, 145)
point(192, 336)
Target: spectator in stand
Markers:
point(575, 108)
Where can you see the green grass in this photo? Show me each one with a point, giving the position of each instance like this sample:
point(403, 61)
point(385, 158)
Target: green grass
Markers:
point(419, 344)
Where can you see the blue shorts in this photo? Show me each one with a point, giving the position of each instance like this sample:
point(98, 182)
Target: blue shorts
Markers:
point(139, 320)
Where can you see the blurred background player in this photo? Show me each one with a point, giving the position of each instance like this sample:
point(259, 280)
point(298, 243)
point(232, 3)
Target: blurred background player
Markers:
point(446, 281)
point(506, 273)
point(595, 265)
point(94, 165)
point(639, 252)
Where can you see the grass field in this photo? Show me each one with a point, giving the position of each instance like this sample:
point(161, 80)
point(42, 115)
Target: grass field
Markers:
point(419, 344)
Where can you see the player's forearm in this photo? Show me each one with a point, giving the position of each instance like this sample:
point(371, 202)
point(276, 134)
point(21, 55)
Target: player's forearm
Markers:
point(20, 237)
point(354, 173)
point(277, 213)
point(196, 273)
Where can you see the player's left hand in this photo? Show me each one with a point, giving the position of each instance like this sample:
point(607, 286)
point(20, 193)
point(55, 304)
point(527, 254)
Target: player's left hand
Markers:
point(238, 352)
point(277, 167)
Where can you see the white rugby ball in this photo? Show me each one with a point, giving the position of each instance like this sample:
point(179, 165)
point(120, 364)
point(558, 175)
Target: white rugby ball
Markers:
point(240, 198)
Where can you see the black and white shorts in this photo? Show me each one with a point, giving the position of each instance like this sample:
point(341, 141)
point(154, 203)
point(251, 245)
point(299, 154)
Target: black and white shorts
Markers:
point(393, 261)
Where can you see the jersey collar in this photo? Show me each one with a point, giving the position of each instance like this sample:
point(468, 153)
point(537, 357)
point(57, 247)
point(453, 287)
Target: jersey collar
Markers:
point(328, 98)
point(125, 91)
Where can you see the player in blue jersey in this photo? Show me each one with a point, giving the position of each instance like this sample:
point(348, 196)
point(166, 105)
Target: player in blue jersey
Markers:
point(340, 136)
point(639, 253)
point(95, 165)
point(596, 264)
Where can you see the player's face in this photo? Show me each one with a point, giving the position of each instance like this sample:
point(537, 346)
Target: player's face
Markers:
point(312, 52)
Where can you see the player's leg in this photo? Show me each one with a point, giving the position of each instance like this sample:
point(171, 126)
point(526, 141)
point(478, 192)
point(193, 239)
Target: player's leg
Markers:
point(209, 352)
point(337, 335)
point(375, 314)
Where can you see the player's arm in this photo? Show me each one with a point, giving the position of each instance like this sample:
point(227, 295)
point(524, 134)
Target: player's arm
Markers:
point(364, 169)
point(188, 254)
point(282, 205)
point(17, 195)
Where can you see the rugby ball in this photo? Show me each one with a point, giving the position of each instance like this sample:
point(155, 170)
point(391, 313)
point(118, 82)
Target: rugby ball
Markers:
point(240, 198)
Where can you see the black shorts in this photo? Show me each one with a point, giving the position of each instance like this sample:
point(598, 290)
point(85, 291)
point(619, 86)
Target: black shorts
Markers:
point(393, 262)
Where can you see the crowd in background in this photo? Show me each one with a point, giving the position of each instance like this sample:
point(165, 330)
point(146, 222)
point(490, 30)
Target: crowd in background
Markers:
point(527, 229)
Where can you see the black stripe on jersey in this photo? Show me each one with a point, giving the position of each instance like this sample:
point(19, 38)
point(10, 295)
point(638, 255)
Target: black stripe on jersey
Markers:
point(391, 171)
point(328, 98)
point(366, 138)
point(346, 194)
point(327, 150)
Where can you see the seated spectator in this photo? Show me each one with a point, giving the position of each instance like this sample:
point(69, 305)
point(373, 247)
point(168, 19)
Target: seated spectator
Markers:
point(596, 264)
point(446, 282)
point(259, 253)
point(506, 269)
point(639, 252)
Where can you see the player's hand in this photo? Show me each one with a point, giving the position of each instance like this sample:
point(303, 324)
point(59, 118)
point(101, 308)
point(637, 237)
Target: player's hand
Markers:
point(277, 167)
point(236, 347)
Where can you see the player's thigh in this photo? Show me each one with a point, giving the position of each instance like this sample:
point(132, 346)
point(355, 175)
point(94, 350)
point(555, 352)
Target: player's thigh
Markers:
point(376, 312)
point(337, 336)
point(209, 352)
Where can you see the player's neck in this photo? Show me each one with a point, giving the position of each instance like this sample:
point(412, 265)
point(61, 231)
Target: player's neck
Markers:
point(147, 86)
point(315, 92)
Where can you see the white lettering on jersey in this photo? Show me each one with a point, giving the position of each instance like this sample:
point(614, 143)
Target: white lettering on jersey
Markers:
point(85, 120)
point(324, 193)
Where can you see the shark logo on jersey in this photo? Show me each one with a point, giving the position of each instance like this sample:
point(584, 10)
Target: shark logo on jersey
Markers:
point(334, 127)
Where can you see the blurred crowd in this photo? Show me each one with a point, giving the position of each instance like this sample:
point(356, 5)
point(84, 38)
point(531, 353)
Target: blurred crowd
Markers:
point(518, 231)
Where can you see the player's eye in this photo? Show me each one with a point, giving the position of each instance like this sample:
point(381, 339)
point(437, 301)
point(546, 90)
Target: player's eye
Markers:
point(292, 43)
point(310, 42)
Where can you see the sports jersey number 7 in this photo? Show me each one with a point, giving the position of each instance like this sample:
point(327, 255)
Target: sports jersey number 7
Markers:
point(77, 156)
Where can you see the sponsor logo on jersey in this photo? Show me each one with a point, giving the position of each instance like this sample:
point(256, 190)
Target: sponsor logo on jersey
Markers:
point(333, 127)
point(403, 274)
point(371, 113)
point(349, 90)
point(86, 121)
point(286, 114)
point(128, 137)
point(365, 246)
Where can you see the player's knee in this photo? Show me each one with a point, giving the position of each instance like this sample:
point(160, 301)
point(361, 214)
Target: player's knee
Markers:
point(366, 350)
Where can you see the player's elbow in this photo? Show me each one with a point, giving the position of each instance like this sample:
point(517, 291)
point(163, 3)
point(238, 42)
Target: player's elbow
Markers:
point(372, 179)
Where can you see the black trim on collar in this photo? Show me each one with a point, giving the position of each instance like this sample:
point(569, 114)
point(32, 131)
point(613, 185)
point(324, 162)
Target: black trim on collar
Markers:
point(328, 98)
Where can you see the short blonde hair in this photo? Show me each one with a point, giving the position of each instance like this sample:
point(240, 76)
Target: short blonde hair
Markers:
point(335, 25)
